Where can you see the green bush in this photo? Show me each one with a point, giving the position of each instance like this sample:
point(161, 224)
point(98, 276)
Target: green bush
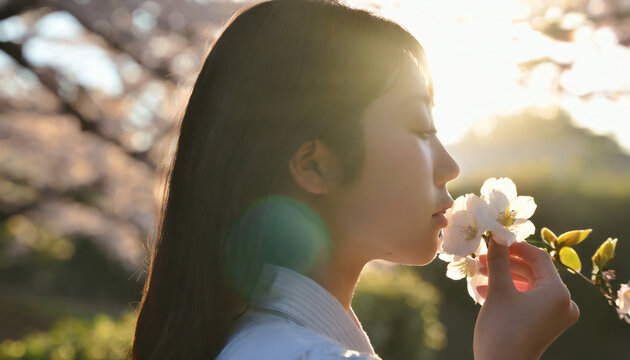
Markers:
point(400, 312)
point(98, 338)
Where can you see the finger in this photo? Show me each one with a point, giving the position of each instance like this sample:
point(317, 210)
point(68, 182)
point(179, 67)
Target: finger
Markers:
point(539, 261)
point(574, 313)
point(483, 291)
point(499, 274)
point(515, 277)
point(520, 269)
point(483, 258)
point(522, 285)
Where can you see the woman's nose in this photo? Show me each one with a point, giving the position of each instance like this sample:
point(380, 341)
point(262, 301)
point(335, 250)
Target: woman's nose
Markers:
point(447, 168)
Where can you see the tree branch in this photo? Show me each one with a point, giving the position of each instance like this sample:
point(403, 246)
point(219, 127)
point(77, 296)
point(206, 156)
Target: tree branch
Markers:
point(114, 41)
point(48, 80)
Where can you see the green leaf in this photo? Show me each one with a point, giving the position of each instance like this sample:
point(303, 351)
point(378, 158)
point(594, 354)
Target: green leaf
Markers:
point(549, 237)
point(539, 243)
point(571, 238)
point(570, 258)
point(604, 254)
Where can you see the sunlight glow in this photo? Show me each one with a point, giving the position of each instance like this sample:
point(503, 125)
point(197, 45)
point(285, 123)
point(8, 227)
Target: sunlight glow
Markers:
point(474, 50)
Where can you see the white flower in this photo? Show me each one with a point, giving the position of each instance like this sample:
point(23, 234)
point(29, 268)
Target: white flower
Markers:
point(469, 268)
point(477, 279)
point(498, 210)
point(460, 267)
point(463, 234)
point(623, 302)
point(509, 213)
point(464, 267)
point(473, 282)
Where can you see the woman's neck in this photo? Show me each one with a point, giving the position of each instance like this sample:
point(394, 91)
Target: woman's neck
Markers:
point(339, 277)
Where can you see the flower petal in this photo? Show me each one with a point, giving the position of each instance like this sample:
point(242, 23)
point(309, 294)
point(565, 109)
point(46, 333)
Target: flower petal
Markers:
point(463, 218)
point(460, 202)
point(623, 298)
point(502, 235)
point(455, 242)
point(453, 274)
point(461, 237)
point(519, 221)
point(454, 270)
point(524, 230)
point(473, 201)
point(473, 282)
point(498, 201)
point(447, 257)
point(504, 185)
point(484, 215)
point(482, 249)
point(524, 206)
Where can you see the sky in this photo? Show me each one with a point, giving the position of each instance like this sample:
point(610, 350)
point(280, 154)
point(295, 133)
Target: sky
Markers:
point(473, 48)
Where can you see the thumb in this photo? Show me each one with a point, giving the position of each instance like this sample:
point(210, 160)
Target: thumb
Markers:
point(499, 274)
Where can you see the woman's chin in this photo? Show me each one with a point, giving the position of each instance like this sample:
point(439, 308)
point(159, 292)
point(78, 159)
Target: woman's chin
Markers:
point(418, 256)
point(429, 252)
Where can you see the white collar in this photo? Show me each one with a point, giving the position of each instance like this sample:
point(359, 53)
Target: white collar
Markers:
point(302, 300)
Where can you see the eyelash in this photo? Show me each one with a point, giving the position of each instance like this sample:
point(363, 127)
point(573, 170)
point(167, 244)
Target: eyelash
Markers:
point(424, 135)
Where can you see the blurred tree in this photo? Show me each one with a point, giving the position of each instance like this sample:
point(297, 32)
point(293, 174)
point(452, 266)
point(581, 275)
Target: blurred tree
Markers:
point(89, 95)
point(565, 22)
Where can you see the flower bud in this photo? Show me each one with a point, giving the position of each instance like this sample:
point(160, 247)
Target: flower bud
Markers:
point(604, 254)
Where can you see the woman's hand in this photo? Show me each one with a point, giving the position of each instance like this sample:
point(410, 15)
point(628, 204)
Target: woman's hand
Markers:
point(515, 324)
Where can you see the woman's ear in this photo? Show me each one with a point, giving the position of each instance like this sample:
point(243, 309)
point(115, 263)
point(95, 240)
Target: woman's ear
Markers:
point(314, 168)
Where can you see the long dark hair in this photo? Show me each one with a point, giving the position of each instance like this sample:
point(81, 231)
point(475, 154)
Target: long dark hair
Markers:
point(281, 73)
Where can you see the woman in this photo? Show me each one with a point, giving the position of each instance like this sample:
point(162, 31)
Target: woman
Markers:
point(308, 149)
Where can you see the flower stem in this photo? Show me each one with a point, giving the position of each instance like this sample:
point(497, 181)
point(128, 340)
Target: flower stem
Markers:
point(486, 237)
point(576, 272)
point(608, 297)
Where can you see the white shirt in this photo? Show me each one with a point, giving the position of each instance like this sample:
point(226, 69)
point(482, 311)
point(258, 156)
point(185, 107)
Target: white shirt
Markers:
point(293, 317)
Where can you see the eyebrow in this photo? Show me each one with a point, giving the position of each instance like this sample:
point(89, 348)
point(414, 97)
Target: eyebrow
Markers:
point(421, 97)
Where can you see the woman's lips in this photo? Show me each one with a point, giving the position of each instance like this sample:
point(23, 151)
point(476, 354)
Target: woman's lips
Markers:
point(441, 219)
